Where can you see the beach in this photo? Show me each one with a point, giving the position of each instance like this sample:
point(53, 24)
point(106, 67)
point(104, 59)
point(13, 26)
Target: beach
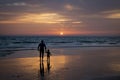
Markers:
point(60, 40)
point(82, 63)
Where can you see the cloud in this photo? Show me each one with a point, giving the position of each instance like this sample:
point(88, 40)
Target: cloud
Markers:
point(112, 11)
point(22, 4)
point(45, 18)
point(17, 4)
point(77, 22)
point(39, 18)
point(76, 15)
point(112, 14)
point(71, 7)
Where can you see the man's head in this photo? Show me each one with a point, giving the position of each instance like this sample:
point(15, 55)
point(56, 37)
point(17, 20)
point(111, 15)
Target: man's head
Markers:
point(42, 41)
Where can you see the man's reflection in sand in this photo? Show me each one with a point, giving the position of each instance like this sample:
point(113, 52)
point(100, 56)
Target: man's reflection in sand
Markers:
point(43, 70)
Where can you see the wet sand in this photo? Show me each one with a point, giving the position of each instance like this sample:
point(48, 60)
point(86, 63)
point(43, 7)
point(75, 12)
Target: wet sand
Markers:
point(87, 63)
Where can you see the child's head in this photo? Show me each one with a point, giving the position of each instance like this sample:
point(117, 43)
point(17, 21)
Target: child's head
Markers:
point(48, 50)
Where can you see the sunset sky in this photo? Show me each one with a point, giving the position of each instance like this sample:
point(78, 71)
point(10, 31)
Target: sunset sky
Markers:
point(53, 17)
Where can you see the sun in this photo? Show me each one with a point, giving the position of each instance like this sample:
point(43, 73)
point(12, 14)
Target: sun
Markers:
point(61, 33)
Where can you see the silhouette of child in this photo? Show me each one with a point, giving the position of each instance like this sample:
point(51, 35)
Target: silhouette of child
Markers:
point(48, 54)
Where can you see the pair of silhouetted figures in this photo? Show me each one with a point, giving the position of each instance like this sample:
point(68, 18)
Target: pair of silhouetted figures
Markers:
point(42, 50)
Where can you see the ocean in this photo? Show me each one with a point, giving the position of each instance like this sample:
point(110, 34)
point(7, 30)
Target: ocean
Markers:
point(9, 44)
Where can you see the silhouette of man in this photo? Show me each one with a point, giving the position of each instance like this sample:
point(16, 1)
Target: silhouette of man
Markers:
point(42, 48)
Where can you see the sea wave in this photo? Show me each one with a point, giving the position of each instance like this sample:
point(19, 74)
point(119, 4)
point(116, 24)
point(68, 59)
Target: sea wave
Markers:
point(31, 42)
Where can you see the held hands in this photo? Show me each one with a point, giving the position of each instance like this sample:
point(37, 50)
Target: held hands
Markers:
point(46, 50)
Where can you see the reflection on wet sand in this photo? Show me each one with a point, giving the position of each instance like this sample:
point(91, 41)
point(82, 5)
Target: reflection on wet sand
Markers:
point(31, 68)
point(88, 64)
point(48, 66)
point(42, 69)
point(42, 73)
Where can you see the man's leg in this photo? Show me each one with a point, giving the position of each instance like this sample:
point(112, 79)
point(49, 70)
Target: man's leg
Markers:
point(42, 55)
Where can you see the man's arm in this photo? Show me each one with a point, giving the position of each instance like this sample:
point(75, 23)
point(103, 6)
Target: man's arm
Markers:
point(38, 47)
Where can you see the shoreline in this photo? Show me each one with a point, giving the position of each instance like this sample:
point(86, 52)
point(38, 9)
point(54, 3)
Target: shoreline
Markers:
point(59, 51)
point(7, 53)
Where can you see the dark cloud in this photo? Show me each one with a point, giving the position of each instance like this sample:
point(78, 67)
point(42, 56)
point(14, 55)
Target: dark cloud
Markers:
point(88, 6)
